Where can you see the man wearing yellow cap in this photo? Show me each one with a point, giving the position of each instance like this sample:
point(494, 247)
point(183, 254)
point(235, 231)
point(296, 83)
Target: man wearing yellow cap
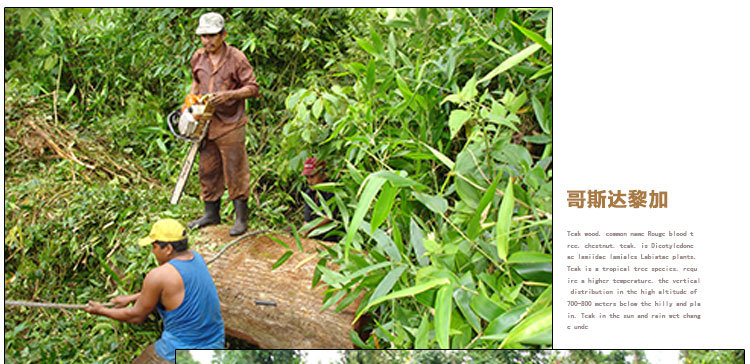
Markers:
point(182, 291)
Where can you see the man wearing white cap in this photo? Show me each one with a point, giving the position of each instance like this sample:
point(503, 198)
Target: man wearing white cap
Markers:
point(180, 289)
point(225, 72)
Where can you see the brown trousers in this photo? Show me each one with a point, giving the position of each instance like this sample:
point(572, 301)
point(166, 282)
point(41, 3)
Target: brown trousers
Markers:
point(149, 356)
point(223, 161)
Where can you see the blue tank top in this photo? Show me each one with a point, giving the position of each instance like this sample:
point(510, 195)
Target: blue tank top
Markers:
point(196, 323)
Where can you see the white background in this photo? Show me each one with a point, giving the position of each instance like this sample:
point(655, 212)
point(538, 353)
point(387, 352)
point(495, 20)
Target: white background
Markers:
point(652, 95)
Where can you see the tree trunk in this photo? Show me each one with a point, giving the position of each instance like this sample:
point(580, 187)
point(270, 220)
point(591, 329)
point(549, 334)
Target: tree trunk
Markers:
point(243, 276)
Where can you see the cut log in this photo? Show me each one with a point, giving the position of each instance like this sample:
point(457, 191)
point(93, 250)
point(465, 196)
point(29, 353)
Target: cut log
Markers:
point(243, 276)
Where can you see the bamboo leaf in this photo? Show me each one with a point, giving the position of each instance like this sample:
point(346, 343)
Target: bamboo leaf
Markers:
point(282, 259)
point(502, 323)
point(534, 37)
point(436, 204)
point(542, 72)
point(474, 227)
point(384, 242)
point(511, 61)
point(443, 309)
point(417, 243)
point(385, 285)
point(531, 327)
point(420, 341)
point(372, 186)
point(440, 156)
point(411, 291)
point(503, 221)
point(485, 307)
point(275, 239)
point(383, 206)
point(529, 257)
point(367, 46)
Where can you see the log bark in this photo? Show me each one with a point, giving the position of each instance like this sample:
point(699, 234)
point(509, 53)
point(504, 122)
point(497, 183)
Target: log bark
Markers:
point(243, 275)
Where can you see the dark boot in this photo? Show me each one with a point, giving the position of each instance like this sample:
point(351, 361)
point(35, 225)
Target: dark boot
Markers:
point(240, 217)
point(210, 215)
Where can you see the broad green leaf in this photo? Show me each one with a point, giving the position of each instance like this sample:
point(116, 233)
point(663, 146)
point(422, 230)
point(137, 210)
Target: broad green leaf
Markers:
point(530, 327)
point(282, 259)
point(348, 299)
point(538, 139)
point(333, 278)
point(417, 243)
point(543, 300)
point(485, 307)
point(454, 98)
point(317, 108)
point(328, 302)
point(443, 309)
point(534, 37)
point(421, 339)
point(541, 116)
point(372, 186)
point(411, 291)
point(544, 71)
point(503, 221)
point(535, 272)
point(294, 98)
point(440, 156)
point(511, 61)
point(367, 46)
point(376, 41)
point(277, 241)
point(384, 242)
point(505, 321)
point(457, 120)
point(363, 271)
point(462, 297)
point(385, 285)
point(434, 203)
point(383, 205)
point(474, 227)
point(529, 257)
point(469, 91)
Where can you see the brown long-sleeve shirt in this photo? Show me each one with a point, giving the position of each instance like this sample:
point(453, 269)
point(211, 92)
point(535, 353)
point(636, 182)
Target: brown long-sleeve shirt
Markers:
point(232, 72)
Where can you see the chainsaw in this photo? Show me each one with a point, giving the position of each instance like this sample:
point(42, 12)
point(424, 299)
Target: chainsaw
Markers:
point(190, 124)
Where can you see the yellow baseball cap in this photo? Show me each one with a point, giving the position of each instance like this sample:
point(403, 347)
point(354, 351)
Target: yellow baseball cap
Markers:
point(166, 230)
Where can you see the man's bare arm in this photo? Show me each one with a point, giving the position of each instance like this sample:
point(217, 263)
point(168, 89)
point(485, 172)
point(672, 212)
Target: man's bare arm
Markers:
point(146, 302)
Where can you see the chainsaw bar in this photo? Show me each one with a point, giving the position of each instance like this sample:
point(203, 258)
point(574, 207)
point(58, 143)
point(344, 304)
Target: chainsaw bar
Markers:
point(187, 166)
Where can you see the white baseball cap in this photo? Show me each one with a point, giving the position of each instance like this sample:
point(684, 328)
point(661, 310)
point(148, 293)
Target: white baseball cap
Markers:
point(210, 23)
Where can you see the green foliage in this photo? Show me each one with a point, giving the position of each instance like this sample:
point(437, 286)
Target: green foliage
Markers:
point(442, 356)
point(184, 357)
point(712, 356)
point(436, 123)
point(456, 248)
point(257, 356)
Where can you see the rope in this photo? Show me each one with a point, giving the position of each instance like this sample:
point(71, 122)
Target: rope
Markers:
point(235, 241)
point(51, 305)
